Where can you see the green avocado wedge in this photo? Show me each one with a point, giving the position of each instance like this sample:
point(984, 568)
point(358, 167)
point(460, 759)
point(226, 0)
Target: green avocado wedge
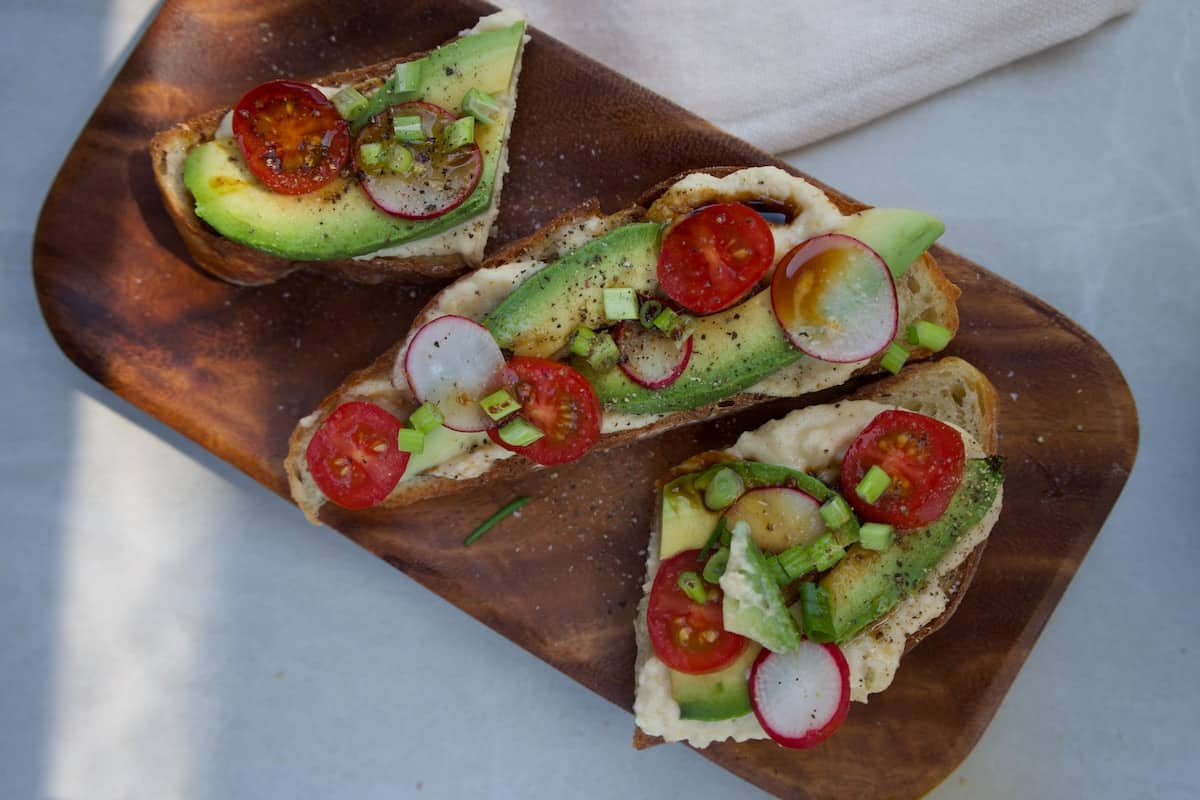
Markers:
point(339, 220)
point(724, 694)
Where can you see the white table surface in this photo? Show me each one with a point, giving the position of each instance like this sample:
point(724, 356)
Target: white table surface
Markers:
point(170, 629)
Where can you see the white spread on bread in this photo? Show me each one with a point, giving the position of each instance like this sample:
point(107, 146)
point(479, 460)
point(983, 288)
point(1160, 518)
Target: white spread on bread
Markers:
point(813, 440)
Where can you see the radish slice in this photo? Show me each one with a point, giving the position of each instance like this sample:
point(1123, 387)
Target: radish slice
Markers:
point(835, 299)
point(453, 362)
point(800, 697)
point(649, 357)
point(779, 517)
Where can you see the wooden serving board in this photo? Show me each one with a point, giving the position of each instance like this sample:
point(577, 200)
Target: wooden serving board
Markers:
point(234, 368)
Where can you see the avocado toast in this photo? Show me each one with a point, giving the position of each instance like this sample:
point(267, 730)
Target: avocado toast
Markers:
point(845, 582)
point(402, 184)
point(538, 298)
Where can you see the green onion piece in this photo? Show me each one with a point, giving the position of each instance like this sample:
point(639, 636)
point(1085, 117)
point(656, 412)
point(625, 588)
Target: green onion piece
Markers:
point(620, 304)
point(714, 568)
point(825, 552)
point(349, 102)
point(836, 512)
point(873, 484)
point(649, 312)
point(459, 133)
point(400, 160)
point(480, 105)
point(875, 536)
point(491, 521)
point(410, 440)
point(408, 129)
point(683, 326)
point(581, 341)
point(893, 358)
point(714, 539)
point(725, 487)
point(775, 567)
point(370, 154)
point(928, 335)
point(405, 81)
point(426, 418)
point(847, 534)
point(605, 353)
point(519, 432)
point(814, 610)
point(665, 321)
point(726, 537)
point(500, 404)
point(693, 587)
point(795, 561)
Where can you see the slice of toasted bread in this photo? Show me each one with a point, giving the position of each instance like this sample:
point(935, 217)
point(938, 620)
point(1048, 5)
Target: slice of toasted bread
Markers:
point(432, 259)
point(923, 292)
point(951, 390)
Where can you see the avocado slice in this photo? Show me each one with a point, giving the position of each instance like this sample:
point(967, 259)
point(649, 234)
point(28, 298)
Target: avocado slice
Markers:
point(866, 584)
point(339, 220)
point(723, 694)
point(686, 522)
point(539, 317)
point(736, 348)
point(753, 602)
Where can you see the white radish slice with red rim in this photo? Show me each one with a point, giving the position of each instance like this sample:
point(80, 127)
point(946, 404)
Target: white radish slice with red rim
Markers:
point(800, 697)
point(779, 517)
point(835, 299)
point(649, 357)
point(453, 362)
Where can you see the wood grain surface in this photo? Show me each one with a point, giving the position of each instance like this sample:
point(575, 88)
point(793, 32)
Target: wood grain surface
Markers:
point(234, 368)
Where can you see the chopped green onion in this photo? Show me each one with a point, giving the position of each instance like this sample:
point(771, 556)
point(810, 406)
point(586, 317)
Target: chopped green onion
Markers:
point(847, 534)
point(825, 552)
point(815, 611)
point(480, 105)
point(875, 536)
point(401, 86)
point(410, 440)
point(426, 418)
point(836, 512)
point(795, 561)
point(459, 133)
point(605, 353)
point(873, 484)
point(665, 321)
point(723, 489)
point(649, 312)
point(928, 335)
point(693, 587)
point(349, 102)
point(893, 358)
point(491, 521)
point(714, 568)
point(715, 538)
point(519, 432)
point(500, 404)
point(683, 326)
point(400, 160)
point(370, 154)
point(775, 567)
point(582, 340)
point(408, 129)
point(620, 304)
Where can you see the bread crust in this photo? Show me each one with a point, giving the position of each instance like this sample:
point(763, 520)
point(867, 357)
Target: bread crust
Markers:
point(246, 266)
point(542, 244)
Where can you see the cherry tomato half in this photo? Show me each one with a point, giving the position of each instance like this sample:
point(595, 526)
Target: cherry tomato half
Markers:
point(923, 457)
point(712, 257)
point(560, 403)
point(292, 137)
point(687, 636)
point(435, 182)
point(353, 455)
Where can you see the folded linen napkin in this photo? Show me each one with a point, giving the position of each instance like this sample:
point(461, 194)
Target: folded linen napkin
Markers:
point(784, 74)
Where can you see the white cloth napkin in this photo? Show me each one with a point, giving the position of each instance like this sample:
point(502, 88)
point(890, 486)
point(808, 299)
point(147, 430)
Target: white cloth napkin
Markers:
point(783, 74)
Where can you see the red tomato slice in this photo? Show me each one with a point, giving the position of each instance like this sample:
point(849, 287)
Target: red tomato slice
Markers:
point(292, 137)
point(436, 183)
point(924, 458)
point(560, 403)
point(713, 256)
point(687, 636)
point(353, 455)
